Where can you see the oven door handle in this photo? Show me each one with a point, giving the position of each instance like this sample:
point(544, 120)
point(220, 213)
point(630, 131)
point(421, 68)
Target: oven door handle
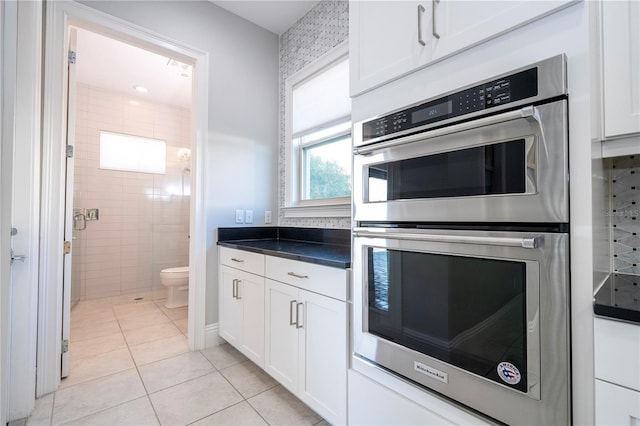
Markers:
point(530, 113)
point(528, 242)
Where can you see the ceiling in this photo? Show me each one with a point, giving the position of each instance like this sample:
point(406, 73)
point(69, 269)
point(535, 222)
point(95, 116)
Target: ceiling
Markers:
point(110, 64)
point(275, 16)
point(113, 65)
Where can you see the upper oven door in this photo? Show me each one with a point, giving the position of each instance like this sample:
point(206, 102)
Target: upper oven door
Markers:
point(511, 167)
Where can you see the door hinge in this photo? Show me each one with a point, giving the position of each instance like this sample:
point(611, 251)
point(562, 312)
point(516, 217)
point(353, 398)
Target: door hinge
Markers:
point(72, 57)
point(65, 346)
point(69, 151)
point(67, 247)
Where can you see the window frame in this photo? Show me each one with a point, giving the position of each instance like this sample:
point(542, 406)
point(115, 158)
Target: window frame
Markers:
point(294, 204)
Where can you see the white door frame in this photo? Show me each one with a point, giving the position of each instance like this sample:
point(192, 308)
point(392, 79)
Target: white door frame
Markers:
point(59, 15)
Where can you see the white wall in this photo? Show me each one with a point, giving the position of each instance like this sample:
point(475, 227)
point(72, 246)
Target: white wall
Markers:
point(243, 108)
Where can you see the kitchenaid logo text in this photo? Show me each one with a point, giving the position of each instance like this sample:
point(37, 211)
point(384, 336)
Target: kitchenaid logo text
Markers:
point(431, 372)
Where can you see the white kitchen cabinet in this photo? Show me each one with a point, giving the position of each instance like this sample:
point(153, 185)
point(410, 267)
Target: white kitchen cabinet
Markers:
point(616, 405)
point(306, 347)
point(385, 35)
point(242, 306)
point(621, 67)
point(617, 372)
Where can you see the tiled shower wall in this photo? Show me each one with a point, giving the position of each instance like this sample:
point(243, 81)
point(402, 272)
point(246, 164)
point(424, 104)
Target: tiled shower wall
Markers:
point(143, 224)
point(320, 30)
point(625, 214)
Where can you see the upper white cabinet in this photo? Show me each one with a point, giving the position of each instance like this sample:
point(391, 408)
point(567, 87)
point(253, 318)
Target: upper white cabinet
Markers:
point(389, 39)
point(621, 67)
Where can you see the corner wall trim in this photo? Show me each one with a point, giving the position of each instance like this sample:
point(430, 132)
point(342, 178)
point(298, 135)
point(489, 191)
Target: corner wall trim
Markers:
point(212, 335)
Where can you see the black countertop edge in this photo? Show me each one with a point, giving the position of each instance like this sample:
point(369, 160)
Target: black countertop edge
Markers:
point(315, 235)
point(328, 247)
point(619, 298)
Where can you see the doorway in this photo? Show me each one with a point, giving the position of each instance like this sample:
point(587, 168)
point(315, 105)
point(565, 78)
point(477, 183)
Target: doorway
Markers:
point(60, 16)
point(128, 208)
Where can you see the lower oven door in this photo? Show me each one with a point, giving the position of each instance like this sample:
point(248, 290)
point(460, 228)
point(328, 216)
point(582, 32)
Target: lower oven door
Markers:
point(480, 317)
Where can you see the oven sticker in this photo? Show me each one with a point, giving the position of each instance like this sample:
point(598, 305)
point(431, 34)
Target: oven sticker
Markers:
point(509, 373)
point(431, 372)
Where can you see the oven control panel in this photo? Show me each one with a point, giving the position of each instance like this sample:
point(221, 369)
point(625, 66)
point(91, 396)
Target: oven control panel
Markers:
point(511, 88)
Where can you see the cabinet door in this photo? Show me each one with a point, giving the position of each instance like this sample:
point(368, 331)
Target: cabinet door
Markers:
point(323, 356)
point(281, 336)
point(621, 67)
point(251, 294)
point(230, 307)
point(616, 405)
point(384, 40)
point(464, 24)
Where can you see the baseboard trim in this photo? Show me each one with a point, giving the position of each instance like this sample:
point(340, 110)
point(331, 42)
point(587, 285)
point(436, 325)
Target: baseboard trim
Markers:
point(212, 335)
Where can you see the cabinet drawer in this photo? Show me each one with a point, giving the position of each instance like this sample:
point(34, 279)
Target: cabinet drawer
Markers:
point(332, 282)
point(617, 351)
point(616, 405)
point(243, 260)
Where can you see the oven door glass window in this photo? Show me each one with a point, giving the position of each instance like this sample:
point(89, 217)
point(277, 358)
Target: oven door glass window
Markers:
point(485, 170)
point(465, 311)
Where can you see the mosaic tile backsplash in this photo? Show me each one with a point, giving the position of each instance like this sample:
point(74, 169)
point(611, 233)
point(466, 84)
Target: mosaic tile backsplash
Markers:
point(625, 214)
point(320, 30)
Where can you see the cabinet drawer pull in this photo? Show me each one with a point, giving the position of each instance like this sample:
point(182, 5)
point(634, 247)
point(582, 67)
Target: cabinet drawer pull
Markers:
point(433, 18)
point(298, 325)
point(291, 304)
point(238, 289)
point(237, 260)
point(234, 291)
point(420, 13)
point(293, 274)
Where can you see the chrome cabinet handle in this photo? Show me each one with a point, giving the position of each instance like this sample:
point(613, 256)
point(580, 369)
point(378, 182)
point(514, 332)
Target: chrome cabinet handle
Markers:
point(433, 18)
point(293, 274)
point(238, 289)
point(421, 10)
point(298, 325)
point(233, 289)
point(237, 260)
point(291, 321)
point(528, 243)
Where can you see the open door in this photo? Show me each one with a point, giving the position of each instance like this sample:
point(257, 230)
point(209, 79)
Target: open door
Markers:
point(73, 219)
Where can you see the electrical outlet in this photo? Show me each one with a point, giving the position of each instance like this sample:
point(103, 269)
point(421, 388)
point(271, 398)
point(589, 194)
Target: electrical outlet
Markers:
point(239, 216)
point(248, 216)
point(267, 216)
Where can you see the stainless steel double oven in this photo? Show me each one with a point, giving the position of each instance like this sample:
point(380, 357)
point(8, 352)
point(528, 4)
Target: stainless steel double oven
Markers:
point(461, 245)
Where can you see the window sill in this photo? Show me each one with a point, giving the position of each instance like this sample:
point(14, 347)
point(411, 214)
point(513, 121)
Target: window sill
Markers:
point(326, 210)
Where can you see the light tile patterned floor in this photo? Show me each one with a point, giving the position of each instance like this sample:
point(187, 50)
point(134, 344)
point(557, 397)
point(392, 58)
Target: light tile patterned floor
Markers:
point(130, 365)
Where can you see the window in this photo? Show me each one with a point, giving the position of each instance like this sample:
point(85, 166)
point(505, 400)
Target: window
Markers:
point(318, 138)
point(132, 153)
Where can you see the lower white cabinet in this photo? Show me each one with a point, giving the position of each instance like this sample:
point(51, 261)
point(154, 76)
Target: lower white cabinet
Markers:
point(306, 347)
point(617, 371)
point(242, 312)
point(616, 405)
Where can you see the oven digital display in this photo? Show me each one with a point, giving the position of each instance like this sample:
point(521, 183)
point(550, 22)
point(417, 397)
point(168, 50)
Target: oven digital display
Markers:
point(512, 88)
point(431, 112)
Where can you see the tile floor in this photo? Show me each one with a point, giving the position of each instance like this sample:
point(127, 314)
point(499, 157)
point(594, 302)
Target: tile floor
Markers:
point(130, 365)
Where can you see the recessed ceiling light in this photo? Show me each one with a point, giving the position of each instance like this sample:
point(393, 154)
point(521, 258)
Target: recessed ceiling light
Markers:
point(141, 89)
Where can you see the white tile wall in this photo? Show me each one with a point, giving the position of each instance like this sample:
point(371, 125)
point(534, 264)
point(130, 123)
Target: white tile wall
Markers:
point(625, 214)
point(144, 218)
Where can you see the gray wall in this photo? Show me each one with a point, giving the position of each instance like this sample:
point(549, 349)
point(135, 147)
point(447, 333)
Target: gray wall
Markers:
point(243, 108)
point(321, 29)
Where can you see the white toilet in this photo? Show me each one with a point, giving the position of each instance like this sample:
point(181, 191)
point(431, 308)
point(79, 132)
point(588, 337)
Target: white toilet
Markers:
point(176, 280)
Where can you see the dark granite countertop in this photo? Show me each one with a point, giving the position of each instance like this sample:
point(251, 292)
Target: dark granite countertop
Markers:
point(619, 298)
point(329, 247)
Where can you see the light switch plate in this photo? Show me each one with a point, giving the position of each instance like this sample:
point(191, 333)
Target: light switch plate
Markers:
point(267, 216)
point(248, 216)
point(239, 216)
